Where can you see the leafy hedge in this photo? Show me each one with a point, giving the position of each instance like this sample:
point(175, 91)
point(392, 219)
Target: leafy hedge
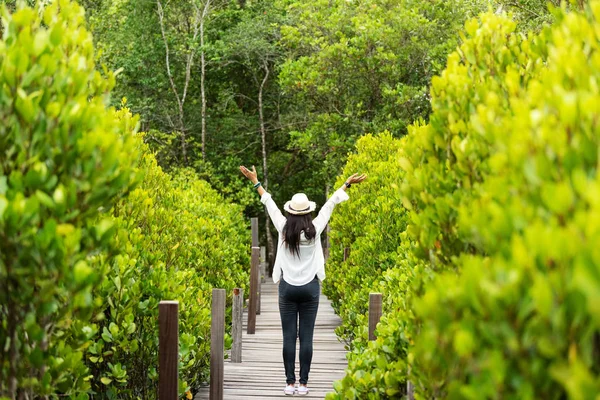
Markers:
point(494, 292)
point(521, 319)
point(373, 240)
point(369, 225)
point(179, 239)
point(94, 233)
point(64, 161)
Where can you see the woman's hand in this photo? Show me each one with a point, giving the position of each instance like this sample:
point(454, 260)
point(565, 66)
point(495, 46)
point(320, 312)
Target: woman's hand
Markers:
point(355, 178)
point(249, 174)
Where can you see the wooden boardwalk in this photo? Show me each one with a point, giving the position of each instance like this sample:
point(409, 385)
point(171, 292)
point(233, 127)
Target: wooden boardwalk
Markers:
point(261, 373)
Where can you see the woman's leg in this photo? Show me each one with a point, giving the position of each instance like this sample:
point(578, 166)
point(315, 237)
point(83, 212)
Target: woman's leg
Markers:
point(288, 311)
point(308, 314)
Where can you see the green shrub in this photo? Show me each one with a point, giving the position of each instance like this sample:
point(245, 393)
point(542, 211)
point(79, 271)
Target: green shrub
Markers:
point(94, 233)
point(369, 225)
point(65, 159)
point(497, 296)
point(378, 369)
point(178, 239)
point(371, 235)
point(521, 319)
point(447, 157)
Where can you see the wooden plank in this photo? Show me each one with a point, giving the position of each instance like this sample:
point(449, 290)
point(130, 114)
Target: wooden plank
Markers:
point(168, 349)
point(374, 313)
point(217, 344)
point(237, 325)
point(253, 303)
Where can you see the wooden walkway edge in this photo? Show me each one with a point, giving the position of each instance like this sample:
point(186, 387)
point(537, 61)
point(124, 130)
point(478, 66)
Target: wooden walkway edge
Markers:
point(261, 373)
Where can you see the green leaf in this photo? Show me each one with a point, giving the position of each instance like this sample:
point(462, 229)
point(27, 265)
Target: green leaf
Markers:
point(44, 199)
point(106, 380)
point(82, 272)
point(463, 343)
point(3, 206)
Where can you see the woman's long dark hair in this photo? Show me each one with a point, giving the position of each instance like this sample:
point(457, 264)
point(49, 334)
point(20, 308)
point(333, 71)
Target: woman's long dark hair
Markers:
point(294, 226)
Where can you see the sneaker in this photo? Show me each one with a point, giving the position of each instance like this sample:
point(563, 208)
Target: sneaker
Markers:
point(302, 390)
point(289, 390)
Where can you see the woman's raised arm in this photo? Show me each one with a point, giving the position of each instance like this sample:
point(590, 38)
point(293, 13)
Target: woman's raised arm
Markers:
point(274, 212)
point(339, 196)
point(253, 176)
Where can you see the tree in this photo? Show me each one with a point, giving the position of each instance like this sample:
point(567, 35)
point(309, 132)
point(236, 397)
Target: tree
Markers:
point(193, 29)
point(253, 44)
point(353, 68)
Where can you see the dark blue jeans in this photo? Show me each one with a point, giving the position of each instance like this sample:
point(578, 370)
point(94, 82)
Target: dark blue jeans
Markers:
point(298, 301)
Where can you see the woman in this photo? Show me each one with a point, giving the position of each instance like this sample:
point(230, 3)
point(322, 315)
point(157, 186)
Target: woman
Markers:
point(299, 266)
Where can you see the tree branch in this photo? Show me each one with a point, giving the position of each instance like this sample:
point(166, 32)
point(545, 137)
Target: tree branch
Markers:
point(164, 36)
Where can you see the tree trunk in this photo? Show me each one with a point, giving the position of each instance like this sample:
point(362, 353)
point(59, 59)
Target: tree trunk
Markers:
point(199, 17)
point(183, 138)
point(160, 12)
point(270, 245)
point(203, 77)
point(263, 132)
point(203, 94)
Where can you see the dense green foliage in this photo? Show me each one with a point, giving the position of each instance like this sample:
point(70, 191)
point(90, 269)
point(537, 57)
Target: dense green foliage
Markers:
point(237, 41)
point(520, 320)
point(373, 241)
point(94, 233)
point(494, 291)
point(64, 161)
point(178, 240)
point(373, 225)
point(480, 226)
point(363, 67)
point(336, 70)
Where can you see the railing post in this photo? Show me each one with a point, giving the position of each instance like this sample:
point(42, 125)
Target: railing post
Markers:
point(168, 350)
point(254, 224)
point(236, 325)
point(217, 336)
point(346, 253)
point(410, 390)
point(374, 313)
point(258, 289)
point(327, 230)
point(253, 295)
point(263, 264)
point(326, 253)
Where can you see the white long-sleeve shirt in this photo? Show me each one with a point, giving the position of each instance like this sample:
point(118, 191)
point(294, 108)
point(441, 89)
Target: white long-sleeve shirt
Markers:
point(302, 270)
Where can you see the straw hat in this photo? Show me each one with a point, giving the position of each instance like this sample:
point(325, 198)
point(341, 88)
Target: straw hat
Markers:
point(299, 205)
